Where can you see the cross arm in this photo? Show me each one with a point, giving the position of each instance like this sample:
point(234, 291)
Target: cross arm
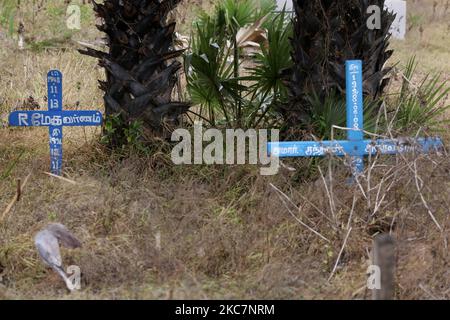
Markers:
point(55, 118)
point(352, 148)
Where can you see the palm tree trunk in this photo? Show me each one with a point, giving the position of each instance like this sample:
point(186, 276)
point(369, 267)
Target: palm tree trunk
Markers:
point(141, 66)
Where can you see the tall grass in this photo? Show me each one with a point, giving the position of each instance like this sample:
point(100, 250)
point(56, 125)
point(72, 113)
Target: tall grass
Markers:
point(421, 105)
point(7, 15)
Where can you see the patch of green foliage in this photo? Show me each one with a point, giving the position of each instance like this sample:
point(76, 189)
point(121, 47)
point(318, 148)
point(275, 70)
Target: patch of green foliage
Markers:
point(228, 93)
point(123, 136)
point(40, 46)
point(7, 15)
point(422, 105)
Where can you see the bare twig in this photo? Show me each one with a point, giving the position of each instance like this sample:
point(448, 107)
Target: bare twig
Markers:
point(417, 178)
point(339, 255)
point(59, 177)
point(282, 196)
point(432, 296)
point(360, 130)
point(330, 196)
point(351, 212)
point(315, 207)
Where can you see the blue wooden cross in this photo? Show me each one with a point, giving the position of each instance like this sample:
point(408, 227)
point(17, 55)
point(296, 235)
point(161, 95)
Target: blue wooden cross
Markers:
point(55, 119)
point(355, 146)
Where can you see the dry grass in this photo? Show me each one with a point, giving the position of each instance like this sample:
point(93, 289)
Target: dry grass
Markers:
point(427, 38)
point(225, 232)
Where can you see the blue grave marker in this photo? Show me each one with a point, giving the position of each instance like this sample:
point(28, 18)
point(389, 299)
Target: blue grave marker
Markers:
point(54, 88)
point(356, 147)
point(55, 119)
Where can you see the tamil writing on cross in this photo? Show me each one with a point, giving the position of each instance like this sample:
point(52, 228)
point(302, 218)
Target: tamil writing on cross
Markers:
point(55, 119)
point(355, 146)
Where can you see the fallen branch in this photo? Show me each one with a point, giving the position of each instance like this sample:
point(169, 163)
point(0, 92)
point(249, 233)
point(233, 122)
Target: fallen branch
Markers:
point(60, 178)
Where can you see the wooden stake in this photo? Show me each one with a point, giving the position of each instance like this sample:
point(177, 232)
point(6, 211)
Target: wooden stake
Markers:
point(384, 256)
point(19, 191)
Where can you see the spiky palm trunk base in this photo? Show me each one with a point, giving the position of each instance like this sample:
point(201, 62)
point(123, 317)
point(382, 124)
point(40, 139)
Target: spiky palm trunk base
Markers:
point(140, 66)
point(327, 33)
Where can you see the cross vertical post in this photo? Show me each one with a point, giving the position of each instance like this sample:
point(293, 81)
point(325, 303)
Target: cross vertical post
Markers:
point(355, 106)
point(54, 84)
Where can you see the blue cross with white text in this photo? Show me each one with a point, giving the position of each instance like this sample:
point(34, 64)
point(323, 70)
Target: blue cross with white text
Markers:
point(55, 119)
point(355, 146)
